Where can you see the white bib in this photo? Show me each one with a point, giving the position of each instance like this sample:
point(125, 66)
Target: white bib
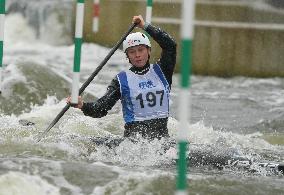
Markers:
point(144, 97)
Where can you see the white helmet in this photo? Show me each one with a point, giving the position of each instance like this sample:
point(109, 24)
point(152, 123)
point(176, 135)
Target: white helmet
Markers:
point(135, 39)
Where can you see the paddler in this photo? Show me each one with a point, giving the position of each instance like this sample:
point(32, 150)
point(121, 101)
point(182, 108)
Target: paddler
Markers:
point(144, 89)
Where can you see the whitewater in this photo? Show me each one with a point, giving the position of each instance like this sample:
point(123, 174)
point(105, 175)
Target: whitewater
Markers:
point(240, 114)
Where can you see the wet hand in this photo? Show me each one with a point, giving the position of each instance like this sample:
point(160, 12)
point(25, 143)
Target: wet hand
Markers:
point(139, 21)
point(79, 105)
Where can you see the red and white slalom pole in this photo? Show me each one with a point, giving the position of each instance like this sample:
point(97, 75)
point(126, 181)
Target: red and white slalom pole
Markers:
point(96, 14)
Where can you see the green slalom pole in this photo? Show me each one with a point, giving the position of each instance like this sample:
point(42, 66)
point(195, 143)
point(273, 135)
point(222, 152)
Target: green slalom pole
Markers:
point(77, 53)
point(184, 103)
point(2, 19)
point(149, 11)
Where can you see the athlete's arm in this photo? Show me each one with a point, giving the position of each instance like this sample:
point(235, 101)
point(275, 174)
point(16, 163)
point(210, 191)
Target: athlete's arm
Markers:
point(167, 43)
point(101, 107)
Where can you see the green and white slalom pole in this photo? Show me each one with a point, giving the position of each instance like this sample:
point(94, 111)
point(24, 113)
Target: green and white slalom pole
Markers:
point(184, 103)
point(2, 19)
point(77, 53)
point(149, 11)
point(96, 13)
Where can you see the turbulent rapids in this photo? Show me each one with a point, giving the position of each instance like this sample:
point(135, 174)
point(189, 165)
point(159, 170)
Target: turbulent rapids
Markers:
point(236, 131)
point(198, 156)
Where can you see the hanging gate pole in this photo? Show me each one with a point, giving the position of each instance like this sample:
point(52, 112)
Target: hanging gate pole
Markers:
point(184, 103)
point(149, 11)
point(2, 18)
point(77, 52)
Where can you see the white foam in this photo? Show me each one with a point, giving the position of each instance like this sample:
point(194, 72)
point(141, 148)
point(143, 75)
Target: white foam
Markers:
point(17, 183)
point(17, 29)
point(50, 106)
point(135, 182)
point(74, 123)
point(52, 32)
point(12, 75)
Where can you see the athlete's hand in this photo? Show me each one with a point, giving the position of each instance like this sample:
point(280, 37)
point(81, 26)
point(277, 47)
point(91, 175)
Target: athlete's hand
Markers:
point(79, 105)
point(139, 21)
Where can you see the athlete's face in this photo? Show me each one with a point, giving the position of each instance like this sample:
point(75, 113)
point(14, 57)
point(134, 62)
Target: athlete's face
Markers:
point(138, 55)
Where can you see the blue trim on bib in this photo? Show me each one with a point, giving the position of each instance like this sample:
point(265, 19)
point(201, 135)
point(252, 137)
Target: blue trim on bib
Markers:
point(127, 106)
point(161, 75)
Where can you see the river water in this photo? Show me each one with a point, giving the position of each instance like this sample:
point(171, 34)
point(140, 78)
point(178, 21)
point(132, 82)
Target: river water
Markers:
point(240, 114)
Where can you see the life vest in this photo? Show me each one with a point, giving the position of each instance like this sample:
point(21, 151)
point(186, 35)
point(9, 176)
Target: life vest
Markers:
point(144, 97)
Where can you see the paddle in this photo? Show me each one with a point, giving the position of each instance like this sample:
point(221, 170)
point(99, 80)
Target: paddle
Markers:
point(89, 80)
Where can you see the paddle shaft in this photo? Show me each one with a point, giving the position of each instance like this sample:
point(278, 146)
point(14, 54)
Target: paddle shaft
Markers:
point(89, 80)
point(98, 69)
